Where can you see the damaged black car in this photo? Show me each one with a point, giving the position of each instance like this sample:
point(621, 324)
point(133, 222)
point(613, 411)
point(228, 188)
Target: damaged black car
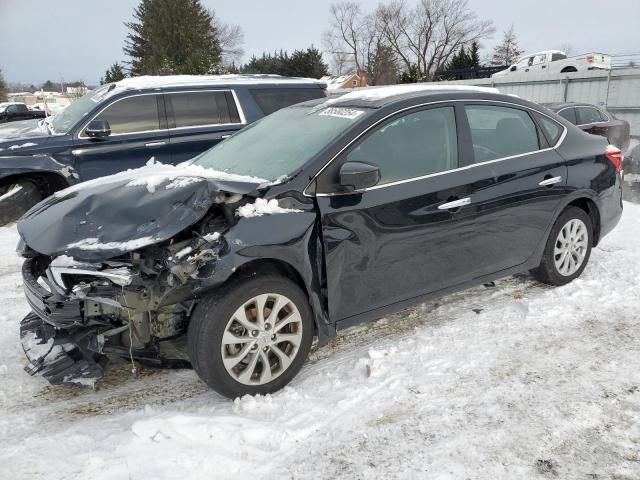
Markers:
point(316, 218)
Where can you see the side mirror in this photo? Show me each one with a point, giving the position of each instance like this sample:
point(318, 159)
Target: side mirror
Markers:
point(513, 68)
point(98, 129)
point(359, 175)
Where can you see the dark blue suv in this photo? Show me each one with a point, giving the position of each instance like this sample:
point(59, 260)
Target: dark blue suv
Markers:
point(123, 125)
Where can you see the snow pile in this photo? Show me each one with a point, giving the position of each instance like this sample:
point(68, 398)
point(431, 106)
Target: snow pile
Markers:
point(263, 207)
point(95, 244)
point(518, 381)
point(210, 237)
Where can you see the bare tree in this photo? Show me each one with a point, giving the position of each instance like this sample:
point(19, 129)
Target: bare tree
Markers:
point(426, 36)
point(567, 48)
point(507, 52)
point(230, 38)
point(355, 40)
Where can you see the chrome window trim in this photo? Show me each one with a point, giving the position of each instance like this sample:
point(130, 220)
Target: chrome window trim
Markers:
point(235, 98)
point(413, 179)
point(606, 115)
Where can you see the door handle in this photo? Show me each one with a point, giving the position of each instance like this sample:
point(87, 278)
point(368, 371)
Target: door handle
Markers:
point(455, 204)
point(154, 144)
point(547, 182)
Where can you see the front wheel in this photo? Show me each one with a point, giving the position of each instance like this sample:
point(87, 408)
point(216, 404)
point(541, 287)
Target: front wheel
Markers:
point(16, 198)
point(568, 248)
point(251, 337)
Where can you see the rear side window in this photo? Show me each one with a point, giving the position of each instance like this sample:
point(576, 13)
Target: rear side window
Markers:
point(569, 114)
point(272, 99)
point(552, 130)
point(410, 146)
point(193, 109)
point(588, 115)
point(133, 114)
point(498, 132)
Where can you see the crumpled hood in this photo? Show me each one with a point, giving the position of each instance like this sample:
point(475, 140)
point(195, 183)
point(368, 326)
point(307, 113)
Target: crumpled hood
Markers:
point(15, 133)
point(109, 216)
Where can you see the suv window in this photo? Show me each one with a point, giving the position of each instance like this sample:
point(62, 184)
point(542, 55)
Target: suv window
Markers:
point(413, 145)
point(133, 114)
point(551, 129)
point(588, 115)
point(271, 99)
point(192, 109)
point(498, 132)
point(569, 114)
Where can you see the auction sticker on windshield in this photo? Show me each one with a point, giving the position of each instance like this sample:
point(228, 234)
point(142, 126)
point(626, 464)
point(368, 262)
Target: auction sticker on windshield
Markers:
point(349, 113)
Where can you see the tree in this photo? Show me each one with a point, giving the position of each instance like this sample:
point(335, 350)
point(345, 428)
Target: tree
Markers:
point(301, 63)
point(49, 86)
point(3, 88)
point(474, 55)
point(172, 37)
point(423, 38)
point(230, 39)
point(507, 52)
point(114, 73)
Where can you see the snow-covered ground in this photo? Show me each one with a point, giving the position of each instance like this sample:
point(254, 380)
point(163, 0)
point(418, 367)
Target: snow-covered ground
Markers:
point(510, 382)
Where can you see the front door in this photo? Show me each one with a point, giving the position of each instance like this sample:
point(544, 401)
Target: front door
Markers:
point(407, 235)
point(138, 133)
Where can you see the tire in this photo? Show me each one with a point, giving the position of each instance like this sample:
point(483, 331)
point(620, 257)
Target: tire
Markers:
point(15, 205)
point(246, 373)
point(549, 271)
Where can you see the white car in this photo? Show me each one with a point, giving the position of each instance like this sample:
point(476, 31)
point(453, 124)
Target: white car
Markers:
point(556, 61)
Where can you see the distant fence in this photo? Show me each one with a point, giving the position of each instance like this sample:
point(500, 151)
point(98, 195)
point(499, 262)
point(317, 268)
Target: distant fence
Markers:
point(617, 90)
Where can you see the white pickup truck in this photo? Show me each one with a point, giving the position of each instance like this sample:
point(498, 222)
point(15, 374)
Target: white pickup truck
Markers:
point(556, 61)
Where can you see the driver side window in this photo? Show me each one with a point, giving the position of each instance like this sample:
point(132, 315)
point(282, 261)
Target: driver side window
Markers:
point(132, 114)
point(411, 145)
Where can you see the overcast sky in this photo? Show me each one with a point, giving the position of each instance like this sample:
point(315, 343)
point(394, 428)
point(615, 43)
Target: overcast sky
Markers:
point(79, 39)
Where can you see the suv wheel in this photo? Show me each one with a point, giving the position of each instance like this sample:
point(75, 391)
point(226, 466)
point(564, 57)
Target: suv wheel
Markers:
point(16, 198)
point(568, 248)
point(250, 337)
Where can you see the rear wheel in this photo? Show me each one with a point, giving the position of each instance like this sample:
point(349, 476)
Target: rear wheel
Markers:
point(568, 248)
point(251, 337)
point(16, 198)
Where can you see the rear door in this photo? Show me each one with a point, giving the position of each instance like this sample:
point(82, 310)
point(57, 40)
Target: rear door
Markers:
point(398, 240)
point(516, 182)
point(138, 133)
point(200, 119)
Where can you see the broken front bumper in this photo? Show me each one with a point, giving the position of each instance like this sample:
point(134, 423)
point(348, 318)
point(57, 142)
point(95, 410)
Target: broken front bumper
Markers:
point(54, 337)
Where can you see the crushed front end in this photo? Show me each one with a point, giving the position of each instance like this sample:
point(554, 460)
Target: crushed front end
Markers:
point(135, 305)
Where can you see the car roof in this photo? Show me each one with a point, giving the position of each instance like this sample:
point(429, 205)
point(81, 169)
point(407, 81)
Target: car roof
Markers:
point(555, 106)
point(377, 97)
point(150, 81)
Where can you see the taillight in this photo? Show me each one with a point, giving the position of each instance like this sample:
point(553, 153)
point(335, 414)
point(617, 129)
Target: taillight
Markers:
point(590, 58)
point(615, 157)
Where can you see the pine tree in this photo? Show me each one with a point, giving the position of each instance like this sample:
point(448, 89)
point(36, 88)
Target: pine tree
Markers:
point(301, 63)
point(474, 55)
point(508, 51)
point(3, 88)
point(411, 75)
point(113, 74)
point(172, 37)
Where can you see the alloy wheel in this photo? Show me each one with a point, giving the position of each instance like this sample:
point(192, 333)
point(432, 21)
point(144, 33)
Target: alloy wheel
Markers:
point(571, 247)
point(261, 339)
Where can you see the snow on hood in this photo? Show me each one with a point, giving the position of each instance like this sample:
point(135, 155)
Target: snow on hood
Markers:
point(109, 216)
point(22, 129)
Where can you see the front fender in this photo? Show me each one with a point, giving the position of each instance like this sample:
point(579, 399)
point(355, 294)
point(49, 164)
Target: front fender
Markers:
point(12, 165)
point(291, 238)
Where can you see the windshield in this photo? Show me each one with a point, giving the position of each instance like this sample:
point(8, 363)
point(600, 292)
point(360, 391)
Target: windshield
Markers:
point(3, 106)
point(281, 143)
point(66, 119)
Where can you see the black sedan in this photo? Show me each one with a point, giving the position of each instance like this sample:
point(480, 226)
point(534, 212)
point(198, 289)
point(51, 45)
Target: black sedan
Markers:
point(594, 120)
point(315, 218)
